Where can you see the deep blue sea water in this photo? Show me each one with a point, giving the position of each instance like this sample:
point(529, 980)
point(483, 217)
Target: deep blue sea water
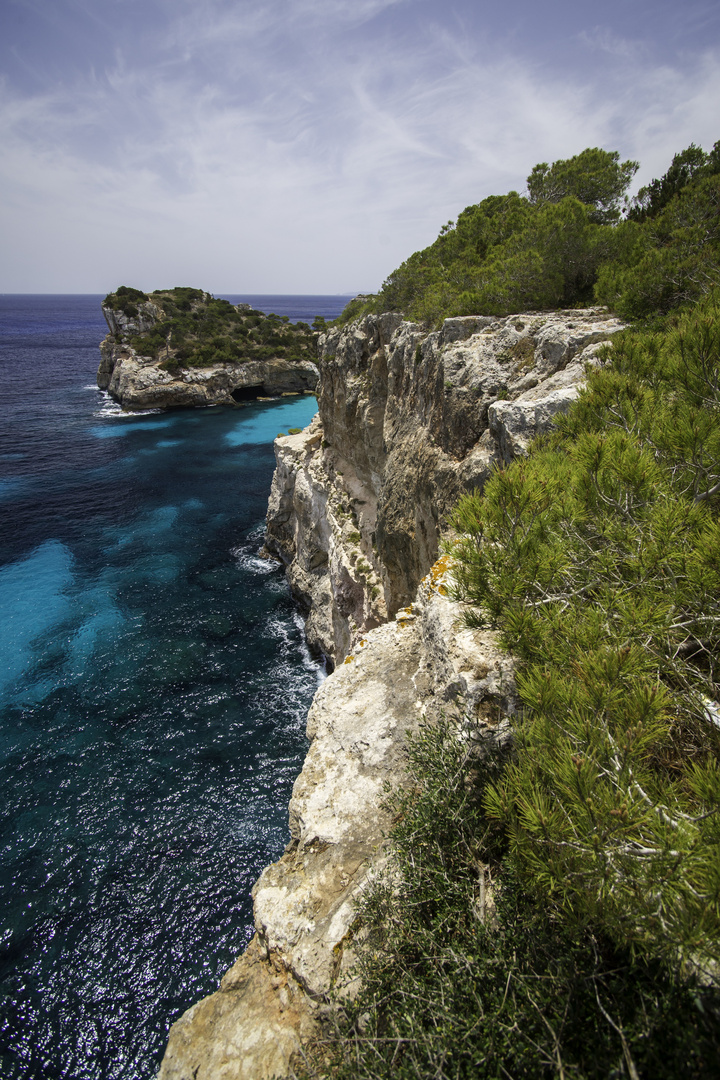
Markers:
point(154, 683)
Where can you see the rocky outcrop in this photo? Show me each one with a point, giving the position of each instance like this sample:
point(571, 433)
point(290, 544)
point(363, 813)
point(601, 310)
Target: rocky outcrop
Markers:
point(320, 522)
point(136, 382)
point(408, 420)
point(410, 670)
point(139, 382)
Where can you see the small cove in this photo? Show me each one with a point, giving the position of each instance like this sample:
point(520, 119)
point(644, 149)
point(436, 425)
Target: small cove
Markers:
point(154, 684)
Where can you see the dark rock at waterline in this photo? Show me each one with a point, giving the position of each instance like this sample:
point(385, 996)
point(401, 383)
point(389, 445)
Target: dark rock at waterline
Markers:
point(162, 380)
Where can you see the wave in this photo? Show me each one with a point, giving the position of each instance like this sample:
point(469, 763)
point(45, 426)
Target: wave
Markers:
point(111, 408)
point(247, 555)
point(311, 663)
point(291, 636)
point(250, 560)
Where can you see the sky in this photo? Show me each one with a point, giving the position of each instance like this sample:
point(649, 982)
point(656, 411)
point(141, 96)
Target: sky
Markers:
point(310, 146)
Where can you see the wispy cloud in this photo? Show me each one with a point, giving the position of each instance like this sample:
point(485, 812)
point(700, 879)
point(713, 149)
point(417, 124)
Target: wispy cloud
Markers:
point(302, 145)
point(603, 40)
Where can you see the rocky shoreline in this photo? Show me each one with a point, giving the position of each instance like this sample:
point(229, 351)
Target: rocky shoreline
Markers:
point(408, 420)
point(138, 382)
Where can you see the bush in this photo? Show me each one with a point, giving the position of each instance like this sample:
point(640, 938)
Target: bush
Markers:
point(564, 245)
point(465, 975)
point(197, 330)
point(673, 259)
point(598, 559)
point(125, 299)
point(689, 164)
point(595, 177)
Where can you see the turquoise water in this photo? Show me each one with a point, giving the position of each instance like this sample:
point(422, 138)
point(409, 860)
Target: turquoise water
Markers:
point(154, 684)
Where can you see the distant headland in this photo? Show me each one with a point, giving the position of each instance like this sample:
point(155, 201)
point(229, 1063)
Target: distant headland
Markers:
point(183, 347)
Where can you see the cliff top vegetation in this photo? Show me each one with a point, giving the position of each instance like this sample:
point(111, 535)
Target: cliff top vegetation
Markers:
point(555, 910)
point(574, 238)
point(191, 328)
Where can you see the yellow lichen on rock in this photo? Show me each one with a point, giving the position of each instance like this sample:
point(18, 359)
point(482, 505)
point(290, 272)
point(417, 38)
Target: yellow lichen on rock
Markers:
point(438, 573)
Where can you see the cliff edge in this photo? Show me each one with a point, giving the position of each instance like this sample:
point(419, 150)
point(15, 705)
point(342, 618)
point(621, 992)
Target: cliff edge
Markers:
point(408, 420)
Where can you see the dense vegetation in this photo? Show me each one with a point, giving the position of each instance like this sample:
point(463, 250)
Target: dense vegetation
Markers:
point(466, 975)
point(194, 329)
point(566, 243)
point(598, 557)
point(554, 910)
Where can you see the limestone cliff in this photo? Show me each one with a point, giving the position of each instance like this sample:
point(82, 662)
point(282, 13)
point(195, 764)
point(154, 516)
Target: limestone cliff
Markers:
point(414, 667)
point(408, 420)
point(137, 382)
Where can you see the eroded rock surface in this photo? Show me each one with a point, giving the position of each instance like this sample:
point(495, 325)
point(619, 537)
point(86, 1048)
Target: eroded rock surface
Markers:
point(139, 382)
point(408, 421)
point(414, 668)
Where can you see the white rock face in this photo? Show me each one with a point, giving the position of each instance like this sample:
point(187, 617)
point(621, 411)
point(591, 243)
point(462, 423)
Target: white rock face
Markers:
point(408, 671)
point(121, 324)
point(137, 382)
point(514, 424)
point(320, 526)
point(408, 420)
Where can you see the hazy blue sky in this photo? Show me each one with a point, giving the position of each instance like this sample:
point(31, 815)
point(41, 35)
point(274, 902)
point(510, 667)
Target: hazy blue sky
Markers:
point(312, 145)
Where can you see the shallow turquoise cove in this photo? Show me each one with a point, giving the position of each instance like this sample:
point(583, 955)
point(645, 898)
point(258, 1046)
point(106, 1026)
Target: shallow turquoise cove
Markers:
point(154, 684)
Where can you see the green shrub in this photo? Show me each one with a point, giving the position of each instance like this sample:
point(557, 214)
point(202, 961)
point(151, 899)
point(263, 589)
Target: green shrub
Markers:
point(465, 975)
point(597, 178)
point(686, 166)
point(201, 331)
point(564, 245)
point(598, 558)
point(673, 259)
point(125, 299)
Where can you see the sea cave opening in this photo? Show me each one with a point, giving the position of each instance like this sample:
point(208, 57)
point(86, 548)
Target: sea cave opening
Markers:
point(247, 393)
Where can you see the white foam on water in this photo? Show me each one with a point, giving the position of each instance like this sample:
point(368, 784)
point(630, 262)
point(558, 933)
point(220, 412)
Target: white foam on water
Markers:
point(250, 560)
point(310, 662)
point(246, 554)
point(256, 535)
point(292, 637)
point(108, 406)
point(111, 408)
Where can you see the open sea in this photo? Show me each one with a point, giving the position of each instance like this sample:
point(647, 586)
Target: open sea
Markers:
point(154, 684)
